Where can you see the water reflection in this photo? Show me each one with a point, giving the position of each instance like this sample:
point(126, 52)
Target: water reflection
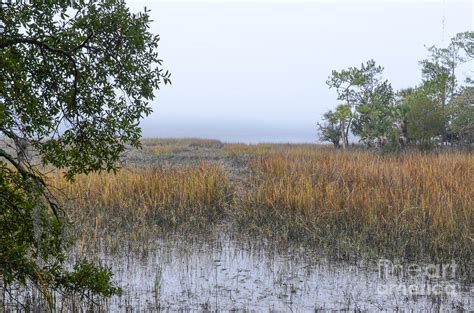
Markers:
point(235, 274)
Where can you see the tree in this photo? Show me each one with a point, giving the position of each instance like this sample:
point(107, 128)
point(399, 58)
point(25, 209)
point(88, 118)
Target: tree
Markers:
point(465, 42)
point(462, 111)
point(343, 114)
point(330, 129)
point(374, 121)
point(400, 114)
point(75, 80)
point(425, 119)
point(368, 97)
point(336, 126)
point(439, 72)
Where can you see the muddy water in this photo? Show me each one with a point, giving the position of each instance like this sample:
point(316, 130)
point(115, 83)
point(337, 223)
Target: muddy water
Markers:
point(233, 274)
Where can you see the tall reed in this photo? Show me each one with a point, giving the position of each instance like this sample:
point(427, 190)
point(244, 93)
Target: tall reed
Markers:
point(405, 205)
point(408, 205)
point(137, 201)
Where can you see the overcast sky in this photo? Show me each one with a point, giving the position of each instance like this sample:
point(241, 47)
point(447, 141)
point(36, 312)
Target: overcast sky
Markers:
point(255, 71)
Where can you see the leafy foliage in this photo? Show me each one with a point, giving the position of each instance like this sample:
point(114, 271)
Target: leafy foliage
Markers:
point(462, 112)
point(439, 75)
point(425, 119)
point(437, 111)
point(74, 83)
point(330, 129)
point(368, 99)
point(34, 243)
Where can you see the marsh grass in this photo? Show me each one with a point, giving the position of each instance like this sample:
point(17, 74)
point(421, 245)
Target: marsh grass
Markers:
point(177, 145)
point(352, 205)
point(137, 203)
point(408, 205)
point(261, 149)
point(181, 141)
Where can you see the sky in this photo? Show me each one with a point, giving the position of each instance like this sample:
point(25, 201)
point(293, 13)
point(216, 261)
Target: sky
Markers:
point(256, 71)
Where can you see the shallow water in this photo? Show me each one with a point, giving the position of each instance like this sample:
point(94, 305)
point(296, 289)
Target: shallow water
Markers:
point(233, 274)
point(225, 273)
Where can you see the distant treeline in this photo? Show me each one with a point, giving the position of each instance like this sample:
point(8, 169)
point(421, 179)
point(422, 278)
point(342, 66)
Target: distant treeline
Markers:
point(439, 111)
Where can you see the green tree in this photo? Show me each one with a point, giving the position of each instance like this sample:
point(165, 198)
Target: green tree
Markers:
point(329, 130)
point(336, 125)
point(400, 114)
point(369, 98)
point(74, 83)
point(462, 112)
point(344, 115)
point(375, 119)
point(425, 119)
point(439, 73)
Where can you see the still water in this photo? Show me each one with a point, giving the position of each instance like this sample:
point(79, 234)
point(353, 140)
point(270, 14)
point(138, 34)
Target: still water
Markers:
point(226, 273)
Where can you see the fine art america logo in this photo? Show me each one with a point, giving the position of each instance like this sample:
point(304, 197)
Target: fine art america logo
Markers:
point(416, 279)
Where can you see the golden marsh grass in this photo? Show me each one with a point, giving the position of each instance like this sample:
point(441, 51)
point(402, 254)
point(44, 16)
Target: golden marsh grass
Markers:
point(409, 205)
point(138, 201)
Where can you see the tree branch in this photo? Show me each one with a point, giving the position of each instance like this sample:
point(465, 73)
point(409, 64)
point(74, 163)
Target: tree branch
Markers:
point(23, 172)
point(26, 174)
point(8, 42)
point(83, 44)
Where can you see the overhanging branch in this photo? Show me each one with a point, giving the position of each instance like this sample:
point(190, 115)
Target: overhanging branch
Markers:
point(27, 174)
point(68, 54)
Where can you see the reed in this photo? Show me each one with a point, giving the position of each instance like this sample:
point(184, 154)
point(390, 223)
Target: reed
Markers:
point(181, 141)
point(408, 205)
point(239, 149)
point(138, 202)
point(170, 146)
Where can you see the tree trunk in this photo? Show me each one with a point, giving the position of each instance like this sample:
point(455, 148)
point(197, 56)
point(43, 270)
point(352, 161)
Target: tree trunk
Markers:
point(346, 135)
point(343, 134)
